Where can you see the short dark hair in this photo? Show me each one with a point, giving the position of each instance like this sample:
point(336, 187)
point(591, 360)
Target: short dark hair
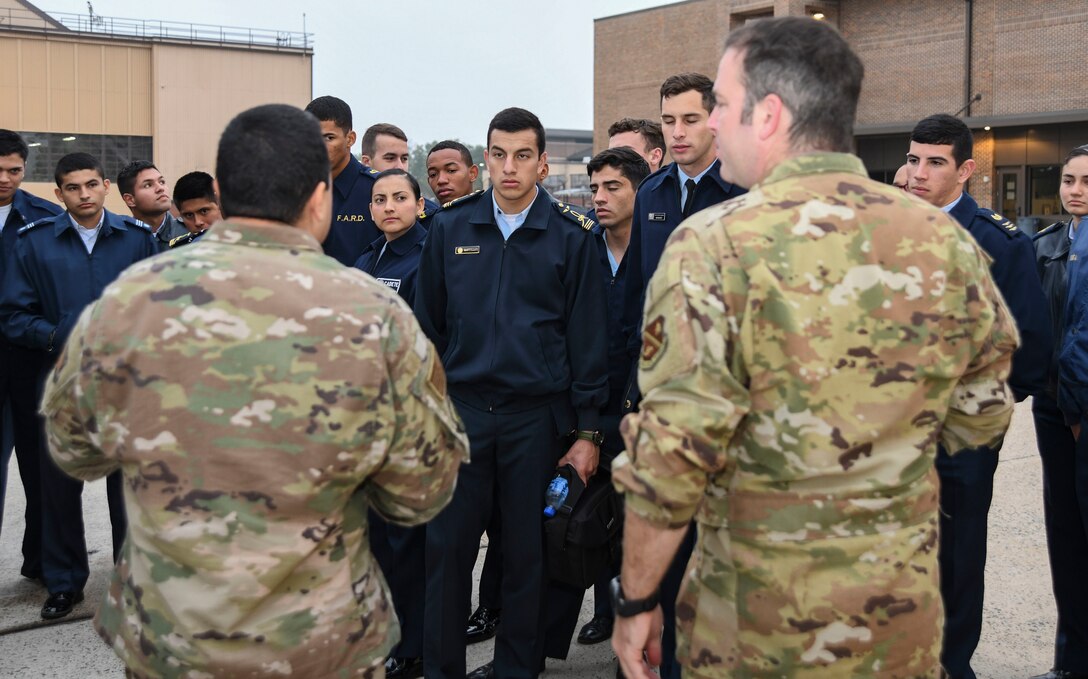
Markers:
point(630, 164)
point(126, 178)
point(810, 66)
point(452, 145)
point(254, 180)
point(516, 120)
point(1075, 153)
point(333, 109)
point(74, 162)
point(942, 129)
point(397, 172)
point(649, 130)
point(11, 142)
point(370, 137)
point(686, 82)
point(193, 186)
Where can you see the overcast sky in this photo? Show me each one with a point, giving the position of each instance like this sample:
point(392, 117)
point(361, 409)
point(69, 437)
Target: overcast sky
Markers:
point(436, 68)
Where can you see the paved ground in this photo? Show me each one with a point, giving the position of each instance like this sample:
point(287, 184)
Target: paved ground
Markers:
point(1016, 640)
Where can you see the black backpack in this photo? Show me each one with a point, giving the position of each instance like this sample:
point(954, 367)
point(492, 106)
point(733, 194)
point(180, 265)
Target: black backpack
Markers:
point(583, 538)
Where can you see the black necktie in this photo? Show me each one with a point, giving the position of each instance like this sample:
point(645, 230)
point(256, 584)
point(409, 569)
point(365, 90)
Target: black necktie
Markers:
point(690, 186)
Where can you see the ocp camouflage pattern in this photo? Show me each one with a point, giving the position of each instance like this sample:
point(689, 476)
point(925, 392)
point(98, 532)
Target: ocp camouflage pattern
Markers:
point(806, 347)
point(259, 397)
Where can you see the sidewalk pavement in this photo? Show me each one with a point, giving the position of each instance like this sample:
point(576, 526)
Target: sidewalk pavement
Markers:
point(1017, 637)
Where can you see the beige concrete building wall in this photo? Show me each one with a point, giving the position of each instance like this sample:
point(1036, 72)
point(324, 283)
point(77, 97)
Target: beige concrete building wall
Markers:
point(199, 89)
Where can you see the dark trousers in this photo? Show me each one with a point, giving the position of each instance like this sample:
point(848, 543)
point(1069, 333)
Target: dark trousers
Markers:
point(491, 576)
point(20, 388)
point(670, 590)
point(1065, 505)
point(401, 553)
point(65, 567)
point(967, 487)
point(514, 450)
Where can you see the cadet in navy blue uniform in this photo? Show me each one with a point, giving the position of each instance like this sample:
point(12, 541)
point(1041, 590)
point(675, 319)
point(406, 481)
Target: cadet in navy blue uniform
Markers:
point(1064, 455)
point(690, 183)
point(19, 366)
point(59, 266)
point(939, 164)
point(352, 228)
point(510, 293)
point(393, 260)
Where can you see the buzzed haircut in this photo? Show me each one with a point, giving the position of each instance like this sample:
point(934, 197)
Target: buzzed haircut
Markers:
point(942, 129)
point(453, 145)
point(194, 186)
point(331, 109)
point(517, 120)
point(649, 130)
point(370, 138)
point(254, 180)
point(630, 164)
point(811, 68)
point(11, 142)
point(126, 178)
point(397, 172)
point(74, 162)
point(687, 82)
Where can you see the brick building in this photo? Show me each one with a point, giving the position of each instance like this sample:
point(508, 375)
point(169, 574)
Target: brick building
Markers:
point(921, 57)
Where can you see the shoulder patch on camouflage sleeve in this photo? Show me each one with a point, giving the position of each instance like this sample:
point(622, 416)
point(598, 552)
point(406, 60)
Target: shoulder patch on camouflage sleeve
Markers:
point(455, 201)
point(654, 340)
point(436, 380)
point(573, 215)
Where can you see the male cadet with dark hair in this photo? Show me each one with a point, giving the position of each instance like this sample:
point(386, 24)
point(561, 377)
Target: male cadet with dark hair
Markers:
point(143, 188)
point(642, 135)
point(352, 228)
point(939, 165)
point(58, 267)
point(197, 204)
point(385, 147)
point(257, 406)
point(20, 386)
point(614, 176)
point(690, 183)
point(451, 172)
point(805, 349)
point(509, 290)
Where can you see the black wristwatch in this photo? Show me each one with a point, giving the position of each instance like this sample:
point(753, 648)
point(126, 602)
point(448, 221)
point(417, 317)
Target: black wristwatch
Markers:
point(595, 437)
point(628, 608)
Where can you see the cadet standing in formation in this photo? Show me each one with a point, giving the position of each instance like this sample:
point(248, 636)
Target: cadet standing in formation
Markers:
point(509, 292)
point(20, 367)
point(799, 370)
point(313, 394)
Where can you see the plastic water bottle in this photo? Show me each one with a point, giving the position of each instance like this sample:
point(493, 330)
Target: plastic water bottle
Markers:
point(555, 495)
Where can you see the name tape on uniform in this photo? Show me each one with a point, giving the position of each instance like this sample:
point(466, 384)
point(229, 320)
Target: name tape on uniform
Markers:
point(466, 250)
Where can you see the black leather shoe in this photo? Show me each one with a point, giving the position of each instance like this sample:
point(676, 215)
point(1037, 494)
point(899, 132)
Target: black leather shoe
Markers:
point(596, 630)
point(484, 672)
point(1061, 674)
point(60, 604)
point(482, 625)
point(404, 668)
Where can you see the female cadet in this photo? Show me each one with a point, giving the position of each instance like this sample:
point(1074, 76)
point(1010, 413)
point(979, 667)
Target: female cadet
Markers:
point(1065, 464)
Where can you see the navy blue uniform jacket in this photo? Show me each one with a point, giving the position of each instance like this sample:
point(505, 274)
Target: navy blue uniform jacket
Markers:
point(26, 209)
point(352, 226)
point(619, 362)
point(51, 277)
point(522, 318)
point(397, 267)
point(1014, 271)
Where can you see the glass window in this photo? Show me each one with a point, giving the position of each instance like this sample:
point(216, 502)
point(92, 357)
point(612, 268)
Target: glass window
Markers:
point(1043, 183)
point(113, 151)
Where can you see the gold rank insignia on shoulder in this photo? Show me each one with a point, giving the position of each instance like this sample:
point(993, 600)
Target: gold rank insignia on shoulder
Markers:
point(583, 221)
point(466, 250)
point(455, 201)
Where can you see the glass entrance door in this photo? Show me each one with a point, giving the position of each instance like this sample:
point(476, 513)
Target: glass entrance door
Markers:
point(1010, 191)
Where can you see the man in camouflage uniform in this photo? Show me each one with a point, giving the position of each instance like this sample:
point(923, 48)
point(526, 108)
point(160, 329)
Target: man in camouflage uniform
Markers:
point(805, 348)
point(258, 397)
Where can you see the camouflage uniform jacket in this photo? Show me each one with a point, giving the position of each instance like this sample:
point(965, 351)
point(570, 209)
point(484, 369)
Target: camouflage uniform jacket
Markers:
point(258, 396)
point(805, 348)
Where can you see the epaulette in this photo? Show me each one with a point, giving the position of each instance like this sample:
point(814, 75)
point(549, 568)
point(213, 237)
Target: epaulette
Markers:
point(132, 221)
point(455, 201)
point(371, 171)
point(32, 225)
point(1006, 226)
point(1050, 229)
point(183, 239)
point(574, 216)
point(430, 209)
